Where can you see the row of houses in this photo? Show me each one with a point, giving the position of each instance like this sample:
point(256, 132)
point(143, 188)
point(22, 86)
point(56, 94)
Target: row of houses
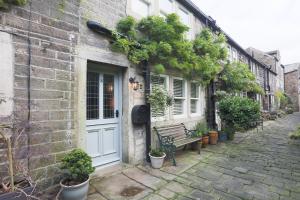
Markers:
point(63, 78)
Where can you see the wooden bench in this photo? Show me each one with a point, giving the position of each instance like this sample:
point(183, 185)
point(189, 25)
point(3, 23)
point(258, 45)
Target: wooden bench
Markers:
point(172, 137)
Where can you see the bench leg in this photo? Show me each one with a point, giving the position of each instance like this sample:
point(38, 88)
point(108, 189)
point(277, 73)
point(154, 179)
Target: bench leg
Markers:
point(170, 151)
point(199, 146)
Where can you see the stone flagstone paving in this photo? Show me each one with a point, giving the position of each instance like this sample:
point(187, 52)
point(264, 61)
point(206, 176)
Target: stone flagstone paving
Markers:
point(262, 166)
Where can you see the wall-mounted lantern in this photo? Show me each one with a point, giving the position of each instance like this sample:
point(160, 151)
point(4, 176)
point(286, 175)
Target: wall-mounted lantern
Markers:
point(134, 83)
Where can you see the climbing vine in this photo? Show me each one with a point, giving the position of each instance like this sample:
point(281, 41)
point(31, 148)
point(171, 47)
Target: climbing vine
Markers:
point(6, 4)
point(162, 42)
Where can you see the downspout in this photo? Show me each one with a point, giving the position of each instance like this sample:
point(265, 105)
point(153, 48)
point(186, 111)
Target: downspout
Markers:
point(147, 93)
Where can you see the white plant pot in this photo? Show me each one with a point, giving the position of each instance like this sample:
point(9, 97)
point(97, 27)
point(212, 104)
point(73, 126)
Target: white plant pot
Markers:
point(74, 192)
point(157, 162)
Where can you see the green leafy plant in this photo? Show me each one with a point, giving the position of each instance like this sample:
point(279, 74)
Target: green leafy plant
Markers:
point(6, 4)
point(236, 77)
point(200, 129)
point(157, 152)
point(162, 42)
point(159, 100)
point(239, 112)
point(78, 166)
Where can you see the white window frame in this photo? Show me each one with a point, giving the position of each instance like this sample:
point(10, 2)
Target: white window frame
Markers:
point(137, 14)
point(184, 106)
point(167, 111)
point(163, 12)
point(198, 109)
point(234, 55)
point(189, 34)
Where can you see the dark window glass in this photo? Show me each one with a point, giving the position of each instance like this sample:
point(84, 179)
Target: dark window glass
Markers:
point(92, 96)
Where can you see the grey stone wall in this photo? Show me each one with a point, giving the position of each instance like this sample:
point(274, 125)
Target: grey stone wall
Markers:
point(292, 85)
point(53, 34)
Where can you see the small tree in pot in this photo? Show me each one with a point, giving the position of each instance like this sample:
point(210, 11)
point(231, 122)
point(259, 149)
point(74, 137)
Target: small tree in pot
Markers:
point(78, 166)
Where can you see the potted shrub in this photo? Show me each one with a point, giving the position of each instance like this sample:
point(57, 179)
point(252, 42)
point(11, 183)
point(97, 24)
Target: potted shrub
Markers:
point(201, 131)
point(213, 137)
point(78, 167)
point(157, 157)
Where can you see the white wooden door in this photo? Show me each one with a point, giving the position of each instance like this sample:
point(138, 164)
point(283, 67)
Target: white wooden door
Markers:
point(103, 114)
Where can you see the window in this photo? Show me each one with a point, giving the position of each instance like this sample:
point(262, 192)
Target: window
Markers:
point(229, 56)
point(92, 96)
point(234, 55)
point(141, 7)
point(185, 19)
point(194, 107)
point(166, 6)
point(159, 81)
point(179, 96)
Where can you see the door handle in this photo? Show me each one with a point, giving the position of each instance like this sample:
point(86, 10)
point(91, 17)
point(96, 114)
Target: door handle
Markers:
point(117, 113)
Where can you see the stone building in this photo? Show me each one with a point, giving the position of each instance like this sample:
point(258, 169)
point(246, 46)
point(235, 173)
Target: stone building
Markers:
point(61, 78)
point(274, 76)
point(292, 84)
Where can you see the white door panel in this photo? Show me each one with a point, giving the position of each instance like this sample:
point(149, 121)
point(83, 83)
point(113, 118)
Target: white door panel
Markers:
point(103, 124)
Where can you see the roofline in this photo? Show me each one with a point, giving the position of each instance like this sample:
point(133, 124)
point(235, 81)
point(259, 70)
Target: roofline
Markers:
point(212, 24)
point(291, 71)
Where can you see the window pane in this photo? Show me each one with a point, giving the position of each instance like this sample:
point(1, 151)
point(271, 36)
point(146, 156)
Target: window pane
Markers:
point(194, 105)
point(108, 96)
point(194, 90)
point(178, 107)
point(184, 16)
point(178, 88)
point(158, 81)
point(141, 7)
point(166, 6)
point(92, 96)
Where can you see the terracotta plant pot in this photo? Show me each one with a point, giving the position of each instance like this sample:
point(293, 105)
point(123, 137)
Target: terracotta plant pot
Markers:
point(205, 140)
point(213, 137)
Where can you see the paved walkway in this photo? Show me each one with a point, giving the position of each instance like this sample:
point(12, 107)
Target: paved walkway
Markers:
point(264, 165)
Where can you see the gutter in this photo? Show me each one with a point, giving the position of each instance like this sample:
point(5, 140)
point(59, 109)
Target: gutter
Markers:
point(99, 28)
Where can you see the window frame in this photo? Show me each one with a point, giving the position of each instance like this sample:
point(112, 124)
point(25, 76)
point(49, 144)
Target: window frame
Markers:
point(135, 13)
point(189, 34)
point(164, 12)
point(184, 98)
point(198, 99)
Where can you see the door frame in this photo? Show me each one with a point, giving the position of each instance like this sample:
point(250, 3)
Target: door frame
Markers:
point(85, 54)
point(103, 68)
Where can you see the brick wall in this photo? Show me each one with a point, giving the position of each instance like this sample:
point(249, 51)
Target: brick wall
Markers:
point(53, 35)
point(291, 86)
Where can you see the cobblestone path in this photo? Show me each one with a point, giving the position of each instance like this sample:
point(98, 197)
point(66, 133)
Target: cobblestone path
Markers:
point(263, 165)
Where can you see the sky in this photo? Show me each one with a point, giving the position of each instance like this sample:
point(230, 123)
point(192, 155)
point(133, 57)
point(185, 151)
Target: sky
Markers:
point(263, 24)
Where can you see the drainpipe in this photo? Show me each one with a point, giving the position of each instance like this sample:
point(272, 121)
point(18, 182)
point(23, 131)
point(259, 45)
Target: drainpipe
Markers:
point(147, 93)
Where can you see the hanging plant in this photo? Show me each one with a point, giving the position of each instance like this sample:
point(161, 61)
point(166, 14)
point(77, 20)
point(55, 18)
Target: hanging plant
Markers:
point(162, 42)
point(159, 99)
point(6, 4)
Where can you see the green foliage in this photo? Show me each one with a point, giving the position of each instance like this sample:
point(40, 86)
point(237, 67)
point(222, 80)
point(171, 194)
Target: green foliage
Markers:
point(78, 165)
point(200, 129)
point(161, 42)
point(5, 4)
point(239, 112)
point(210, 50)
point(159, 100)
point(282, 99)
point(157, 152)
point(236, 77)
point(295, 135)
